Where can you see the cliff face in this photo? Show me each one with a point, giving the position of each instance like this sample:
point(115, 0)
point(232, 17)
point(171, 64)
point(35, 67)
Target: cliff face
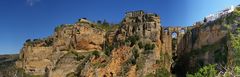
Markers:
point(202, 45)
point(42, 56)
point(139, 47)
point(206, 43)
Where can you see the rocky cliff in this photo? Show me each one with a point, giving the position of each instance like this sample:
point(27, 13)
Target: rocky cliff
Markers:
point(139, 46)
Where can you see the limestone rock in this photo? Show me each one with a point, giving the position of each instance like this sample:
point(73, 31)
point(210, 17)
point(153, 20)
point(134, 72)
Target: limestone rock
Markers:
point(40, 56)
point(82, 49)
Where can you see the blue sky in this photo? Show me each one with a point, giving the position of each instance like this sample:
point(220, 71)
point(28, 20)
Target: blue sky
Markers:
point(24, 19)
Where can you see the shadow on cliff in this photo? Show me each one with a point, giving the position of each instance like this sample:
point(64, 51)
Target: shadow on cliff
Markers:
point(218, 51)
point(189, 59)
point(182, 60)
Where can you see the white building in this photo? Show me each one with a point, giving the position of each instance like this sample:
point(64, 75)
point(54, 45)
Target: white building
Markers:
point(213, 17)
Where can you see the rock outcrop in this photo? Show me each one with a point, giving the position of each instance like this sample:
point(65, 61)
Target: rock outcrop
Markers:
point(139, 47)
point(42, 55)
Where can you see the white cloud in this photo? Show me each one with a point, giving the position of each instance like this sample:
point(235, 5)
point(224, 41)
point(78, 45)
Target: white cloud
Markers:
point(32, 2)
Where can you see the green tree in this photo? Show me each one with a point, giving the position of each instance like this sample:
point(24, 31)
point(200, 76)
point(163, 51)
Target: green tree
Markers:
point(28, 40)
point(99, 22)
point(206, 71)
point(235, 44)
point(233, 68)
point(105, 23)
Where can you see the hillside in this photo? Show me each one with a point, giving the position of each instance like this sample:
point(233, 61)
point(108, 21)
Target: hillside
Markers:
point(7, 65)
point(137, 47)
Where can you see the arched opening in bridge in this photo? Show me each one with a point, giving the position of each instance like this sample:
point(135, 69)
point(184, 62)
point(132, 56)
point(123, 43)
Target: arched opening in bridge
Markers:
point(165, 30)
point(178, 66)
point(174, 41)
point(174, 36)
point(174, 45)
point(182, 31)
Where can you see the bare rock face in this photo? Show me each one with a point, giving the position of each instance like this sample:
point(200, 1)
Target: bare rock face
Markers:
point(112, 68)
point(141, 24)
point(65, 65)
point(80, 36)
point(35, 59)
point(41, 56)
point(210, 35)
point(89, 39)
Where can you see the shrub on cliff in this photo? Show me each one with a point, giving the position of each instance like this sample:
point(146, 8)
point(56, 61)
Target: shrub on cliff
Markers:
point(140, 45)
point(106, 26)
point(149, 46)
point(49, 42)
point(28, 40)
point(80, 57)
point(162, 72)
point(135, 53)
point(235, 43)
point(62, 26)
point(96, 53)
point(108, 50)
point(132, 40)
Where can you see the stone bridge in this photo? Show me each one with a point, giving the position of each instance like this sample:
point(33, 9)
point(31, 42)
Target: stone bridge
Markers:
point(149, 26)
point(172, 37)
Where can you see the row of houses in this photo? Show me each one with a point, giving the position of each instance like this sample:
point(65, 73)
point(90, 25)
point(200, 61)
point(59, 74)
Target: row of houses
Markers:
point(213, 17)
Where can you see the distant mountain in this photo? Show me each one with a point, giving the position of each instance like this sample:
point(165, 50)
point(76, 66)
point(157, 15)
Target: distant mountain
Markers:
point(7, 65)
